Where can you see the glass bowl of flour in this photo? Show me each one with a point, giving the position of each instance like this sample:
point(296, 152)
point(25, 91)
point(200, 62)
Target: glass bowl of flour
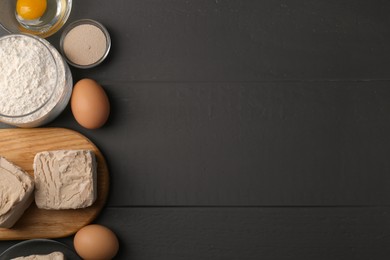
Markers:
point(35, 81)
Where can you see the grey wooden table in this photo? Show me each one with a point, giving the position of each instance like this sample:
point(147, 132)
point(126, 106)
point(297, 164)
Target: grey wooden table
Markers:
point(244, 129)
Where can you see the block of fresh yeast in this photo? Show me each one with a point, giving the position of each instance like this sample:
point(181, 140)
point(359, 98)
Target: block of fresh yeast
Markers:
point(65, 179)
point(16, 192)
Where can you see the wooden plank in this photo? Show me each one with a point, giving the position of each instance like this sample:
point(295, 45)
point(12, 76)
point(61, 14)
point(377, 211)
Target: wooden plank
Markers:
point(269, 143)
point(228, 40)
point(20, 146)
point(254, 233)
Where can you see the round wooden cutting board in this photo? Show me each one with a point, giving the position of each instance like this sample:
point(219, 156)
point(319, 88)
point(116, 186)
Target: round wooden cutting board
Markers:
point(20, 146)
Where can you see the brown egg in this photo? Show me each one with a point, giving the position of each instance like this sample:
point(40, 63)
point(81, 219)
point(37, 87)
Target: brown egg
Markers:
point(89, 103)
point(96, 242)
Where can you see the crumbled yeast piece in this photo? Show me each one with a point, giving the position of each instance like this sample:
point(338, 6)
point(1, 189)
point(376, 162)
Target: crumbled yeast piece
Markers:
point(52, 256)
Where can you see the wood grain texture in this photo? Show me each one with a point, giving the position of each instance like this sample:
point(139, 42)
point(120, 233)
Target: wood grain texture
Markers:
point(242, 103)
point(20, 146)
point(229, 40)
point(285, 233)
point(271, 233)
point(246, 144)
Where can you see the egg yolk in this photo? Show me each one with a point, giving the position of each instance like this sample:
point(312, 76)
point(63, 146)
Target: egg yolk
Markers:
point(31, 9)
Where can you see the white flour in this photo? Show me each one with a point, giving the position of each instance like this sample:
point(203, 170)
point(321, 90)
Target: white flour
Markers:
point(28, 76)
point(35, 84)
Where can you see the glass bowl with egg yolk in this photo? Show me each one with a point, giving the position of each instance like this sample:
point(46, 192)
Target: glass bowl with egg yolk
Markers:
point(38, 17)
point(30, 11)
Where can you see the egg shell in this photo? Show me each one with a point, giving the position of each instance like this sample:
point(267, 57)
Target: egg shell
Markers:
point(89, 103)
point(96, 242)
